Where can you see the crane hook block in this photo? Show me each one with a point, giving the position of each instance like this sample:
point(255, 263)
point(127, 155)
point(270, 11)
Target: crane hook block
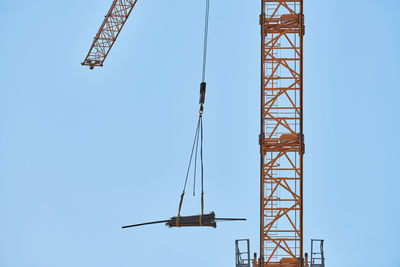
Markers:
point(202, 92)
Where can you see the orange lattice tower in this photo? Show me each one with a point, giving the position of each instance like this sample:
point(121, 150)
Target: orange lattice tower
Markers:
point(281, 138)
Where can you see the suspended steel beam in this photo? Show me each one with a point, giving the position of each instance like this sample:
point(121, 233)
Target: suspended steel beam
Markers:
point(108, 33)
point(205, 220)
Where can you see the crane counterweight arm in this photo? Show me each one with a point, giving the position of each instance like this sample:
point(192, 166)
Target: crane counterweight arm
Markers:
point(108, 32)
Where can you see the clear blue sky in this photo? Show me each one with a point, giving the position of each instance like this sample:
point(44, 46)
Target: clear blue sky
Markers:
point(84, 152)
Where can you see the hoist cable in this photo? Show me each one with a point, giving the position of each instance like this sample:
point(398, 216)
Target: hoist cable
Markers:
point(207, 16)
point(199, 129)
point(203, 79)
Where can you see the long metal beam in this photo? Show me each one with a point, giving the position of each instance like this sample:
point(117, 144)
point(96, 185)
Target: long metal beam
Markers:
point(190, 221)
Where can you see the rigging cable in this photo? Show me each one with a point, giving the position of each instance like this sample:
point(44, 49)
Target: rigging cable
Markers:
point(199, 129)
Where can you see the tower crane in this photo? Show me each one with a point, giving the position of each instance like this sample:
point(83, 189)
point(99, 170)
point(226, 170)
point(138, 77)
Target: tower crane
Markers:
point(281, 137)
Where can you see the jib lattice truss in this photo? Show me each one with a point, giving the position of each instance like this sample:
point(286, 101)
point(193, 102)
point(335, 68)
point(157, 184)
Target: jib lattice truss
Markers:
point(108, 32)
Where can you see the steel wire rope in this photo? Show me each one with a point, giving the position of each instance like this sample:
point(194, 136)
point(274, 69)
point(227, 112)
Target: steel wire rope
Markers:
point(205, 44)
point(203, 80)
point(195, 166)
point(196, 136)
point(199, 129)
point(202, 168)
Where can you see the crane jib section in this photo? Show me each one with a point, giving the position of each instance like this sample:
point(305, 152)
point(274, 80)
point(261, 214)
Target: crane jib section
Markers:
point(108, 32)
point(281, 137)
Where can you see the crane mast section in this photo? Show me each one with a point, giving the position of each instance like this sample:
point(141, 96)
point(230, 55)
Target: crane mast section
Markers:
point(281, 137)
point(108, 33)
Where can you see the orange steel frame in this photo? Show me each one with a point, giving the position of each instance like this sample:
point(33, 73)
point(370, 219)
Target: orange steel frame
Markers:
point(108, 32)
point(281, 138)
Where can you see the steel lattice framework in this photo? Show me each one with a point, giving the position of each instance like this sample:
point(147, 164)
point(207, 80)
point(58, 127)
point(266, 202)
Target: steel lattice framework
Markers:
point(108, 32)
point(281, 138)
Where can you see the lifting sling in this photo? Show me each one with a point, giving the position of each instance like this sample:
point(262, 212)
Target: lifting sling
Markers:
point(199, 129)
